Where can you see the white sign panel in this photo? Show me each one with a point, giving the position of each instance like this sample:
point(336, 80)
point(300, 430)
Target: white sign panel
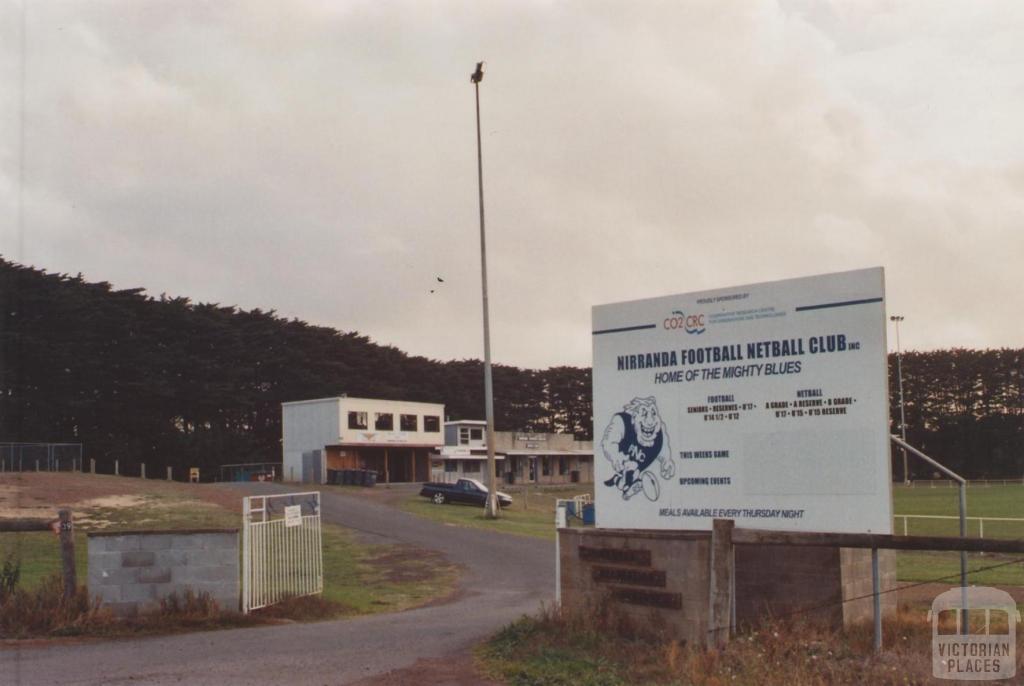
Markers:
point(766, 404)
point(292, 515)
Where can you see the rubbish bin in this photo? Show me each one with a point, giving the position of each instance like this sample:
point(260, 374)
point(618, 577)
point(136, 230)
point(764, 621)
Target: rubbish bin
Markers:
point(346, 477)
point(371, 478)
point(588, 514)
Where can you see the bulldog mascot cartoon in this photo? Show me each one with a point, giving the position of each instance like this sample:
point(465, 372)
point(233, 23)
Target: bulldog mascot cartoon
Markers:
point(634, 439)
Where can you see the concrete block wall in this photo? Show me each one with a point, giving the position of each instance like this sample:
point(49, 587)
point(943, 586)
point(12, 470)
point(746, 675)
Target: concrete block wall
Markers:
point(658, 580)
point(662, 579)
point(855, 564)
point(775, 580)
point(779, 581)
point(132, 571)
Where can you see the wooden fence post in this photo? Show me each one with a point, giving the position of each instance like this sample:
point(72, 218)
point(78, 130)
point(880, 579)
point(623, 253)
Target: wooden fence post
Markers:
point(168, 473)
point(142, 471)
point(67, 552)
point(92, 465)
point(722, 572)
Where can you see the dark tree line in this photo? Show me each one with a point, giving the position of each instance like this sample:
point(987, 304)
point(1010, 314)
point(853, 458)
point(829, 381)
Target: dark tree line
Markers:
point(169, 382)
point(963, 407)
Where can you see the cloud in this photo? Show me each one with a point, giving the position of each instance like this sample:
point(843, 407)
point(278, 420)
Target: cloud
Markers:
point(320, 159)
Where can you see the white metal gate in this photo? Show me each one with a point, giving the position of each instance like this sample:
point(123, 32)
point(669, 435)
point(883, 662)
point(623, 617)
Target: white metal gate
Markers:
point(282, 552)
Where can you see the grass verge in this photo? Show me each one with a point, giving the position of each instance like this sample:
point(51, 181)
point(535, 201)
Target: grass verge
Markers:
point(531, 514)
point(366, 579)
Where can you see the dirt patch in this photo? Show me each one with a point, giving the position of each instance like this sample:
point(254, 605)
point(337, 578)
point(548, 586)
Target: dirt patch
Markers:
point(92, 498)
point(112, 501)
point(403, 564)
point(453, 670)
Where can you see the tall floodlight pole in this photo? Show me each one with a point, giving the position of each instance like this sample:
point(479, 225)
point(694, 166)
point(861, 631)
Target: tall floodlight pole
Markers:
point(903, 417)
point(491, 507)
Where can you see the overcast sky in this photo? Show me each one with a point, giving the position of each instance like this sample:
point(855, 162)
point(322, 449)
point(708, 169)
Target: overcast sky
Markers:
point(319, 158)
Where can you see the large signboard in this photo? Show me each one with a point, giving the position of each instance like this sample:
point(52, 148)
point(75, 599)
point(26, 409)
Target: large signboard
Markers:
point(766, 404)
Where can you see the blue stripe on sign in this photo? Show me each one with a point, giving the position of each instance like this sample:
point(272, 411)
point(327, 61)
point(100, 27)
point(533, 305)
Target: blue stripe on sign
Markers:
point(845, 303)
point(625, 328)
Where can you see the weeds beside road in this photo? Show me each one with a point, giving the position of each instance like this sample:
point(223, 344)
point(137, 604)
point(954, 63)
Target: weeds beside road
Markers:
point(596, 649)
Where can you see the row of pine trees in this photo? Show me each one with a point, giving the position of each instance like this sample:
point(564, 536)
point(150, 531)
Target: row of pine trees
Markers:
point(168, 382)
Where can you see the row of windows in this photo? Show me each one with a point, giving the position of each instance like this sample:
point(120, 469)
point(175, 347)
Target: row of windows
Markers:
point(385, 421)
point(468, 466)
point(546, 463)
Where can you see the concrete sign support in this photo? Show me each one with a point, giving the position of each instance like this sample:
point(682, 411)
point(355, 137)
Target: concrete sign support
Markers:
point(766, 404)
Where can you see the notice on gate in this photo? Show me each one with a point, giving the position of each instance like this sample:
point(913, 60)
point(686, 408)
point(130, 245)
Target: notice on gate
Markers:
point(766, 404)
point(292, 515)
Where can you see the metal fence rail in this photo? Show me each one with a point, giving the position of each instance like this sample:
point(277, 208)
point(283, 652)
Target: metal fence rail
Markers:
point(282, 548)
point(981, 521)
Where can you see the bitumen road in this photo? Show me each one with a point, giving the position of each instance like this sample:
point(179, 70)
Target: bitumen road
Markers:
point(503, 577)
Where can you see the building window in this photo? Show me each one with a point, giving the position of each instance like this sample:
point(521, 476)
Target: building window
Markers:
point(471, 466)
point(357, 420)
point(451, 465)
point(545, 466)
point(432, 425)
point(563, 466)
point(463, 436)
point(476, 434)
point(409, 422)
point(384, 421)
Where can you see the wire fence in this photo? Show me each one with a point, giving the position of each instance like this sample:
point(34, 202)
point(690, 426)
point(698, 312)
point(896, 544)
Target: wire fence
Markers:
point(896, 589)
point(40, 457)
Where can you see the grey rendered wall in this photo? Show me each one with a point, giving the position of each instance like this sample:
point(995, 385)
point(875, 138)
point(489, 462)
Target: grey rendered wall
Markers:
point(662, 578)
point(130, 572)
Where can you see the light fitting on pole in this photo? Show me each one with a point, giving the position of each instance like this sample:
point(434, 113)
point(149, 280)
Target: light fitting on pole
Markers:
point(478, 75)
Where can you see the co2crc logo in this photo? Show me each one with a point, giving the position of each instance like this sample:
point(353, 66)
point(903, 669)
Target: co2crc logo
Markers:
point(690, 323)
